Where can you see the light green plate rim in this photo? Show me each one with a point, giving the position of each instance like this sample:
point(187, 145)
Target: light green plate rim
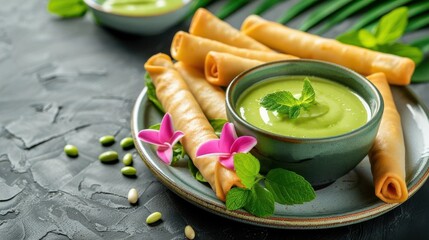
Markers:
point(317, 214)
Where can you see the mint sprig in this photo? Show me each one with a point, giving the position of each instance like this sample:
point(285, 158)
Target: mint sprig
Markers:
point(247, 168)
point(280, 185)
point(385, 36)
point(288, 187)
point(283, 102)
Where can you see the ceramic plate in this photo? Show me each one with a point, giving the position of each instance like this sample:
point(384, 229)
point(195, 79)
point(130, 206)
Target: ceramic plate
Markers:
point(348, 200)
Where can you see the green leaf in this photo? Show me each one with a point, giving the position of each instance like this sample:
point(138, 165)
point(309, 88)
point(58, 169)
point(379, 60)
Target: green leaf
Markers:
point(279, 101)
point(237, 198)
point(247, 168)
point(260, 202)
point(294, 111)
point(403, 50)
point(418, 22)
point(196, 5)
point(178, 153)
point(367, 39)
point(265, 5)
point(322, 11)
point(195, 172)
point(391, 26)
point(296, 9)
point(421, 74)
point(376, 12)
point(67, 8)
point(284, 103)
point(217, 125)
point(422, 43)
point(351, 38)
point(308, 95)
point(288, 187)
point(348, 10)
point(230, 7)
point(156, 126)
point(151, 93)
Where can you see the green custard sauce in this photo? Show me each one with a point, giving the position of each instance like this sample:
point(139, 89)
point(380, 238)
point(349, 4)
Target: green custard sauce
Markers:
point(337, 109)
point(142, 7)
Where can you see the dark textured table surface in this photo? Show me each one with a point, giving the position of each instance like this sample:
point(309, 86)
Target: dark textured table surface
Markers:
point(71, 81)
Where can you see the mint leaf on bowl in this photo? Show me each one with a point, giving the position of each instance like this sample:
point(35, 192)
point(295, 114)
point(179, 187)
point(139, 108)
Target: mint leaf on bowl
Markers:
point(283, 102)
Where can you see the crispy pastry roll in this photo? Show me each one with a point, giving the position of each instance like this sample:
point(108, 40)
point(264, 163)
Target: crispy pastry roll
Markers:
point(220, 68)
point(398, 70)
point(387, 155)
point(210, 98)
point(207, 25)
point(192, 50)
point(187, 116)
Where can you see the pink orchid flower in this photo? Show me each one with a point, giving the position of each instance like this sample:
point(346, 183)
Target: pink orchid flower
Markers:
point(164, 139)
point(226, 146)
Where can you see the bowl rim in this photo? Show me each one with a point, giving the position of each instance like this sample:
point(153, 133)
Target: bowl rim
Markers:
point(99, 7)
point(375, 116)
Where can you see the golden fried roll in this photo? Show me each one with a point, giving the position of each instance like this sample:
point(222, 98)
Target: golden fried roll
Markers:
point(187, 116)
point(387, 155)
point(207, 25)
point(192, 50)
point(398, 70)
point(210, 98)
point(220, 68)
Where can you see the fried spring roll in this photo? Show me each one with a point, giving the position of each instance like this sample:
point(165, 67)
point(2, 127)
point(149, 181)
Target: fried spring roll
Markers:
point(188, 117)
point(220, 68)
point(210, 98)
point(192, 50)
point(387, 155)
point(207, 25)
point(398, 70)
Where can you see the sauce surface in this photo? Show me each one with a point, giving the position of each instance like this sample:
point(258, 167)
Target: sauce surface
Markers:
point(337, 110)
point(142, 7)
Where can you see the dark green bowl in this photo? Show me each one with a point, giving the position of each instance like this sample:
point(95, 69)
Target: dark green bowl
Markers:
point(320, 160)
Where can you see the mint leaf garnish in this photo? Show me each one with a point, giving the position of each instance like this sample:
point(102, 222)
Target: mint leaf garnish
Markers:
point(217, 125)
point(247, 168)
point(281, 186)
point(384, 37)
point(288, 187)
point(308, 96)
point(283, 102)
point(260, 202)
point(237, 198)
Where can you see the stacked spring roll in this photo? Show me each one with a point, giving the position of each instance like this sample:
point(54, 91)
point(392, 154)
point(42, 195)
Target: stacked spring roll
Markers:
point(177, 99)
point(213, 53)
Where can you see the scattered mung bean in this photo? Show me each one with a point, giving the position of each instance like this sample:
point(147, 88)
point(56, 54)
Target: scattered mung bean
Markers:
point(127, 160)
point(189, 232)
point(133, 196)
point(154, 217)
point(108, 156)
point(71, 150)
point(128, 171)
point(107, 140)
point(127, 143)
